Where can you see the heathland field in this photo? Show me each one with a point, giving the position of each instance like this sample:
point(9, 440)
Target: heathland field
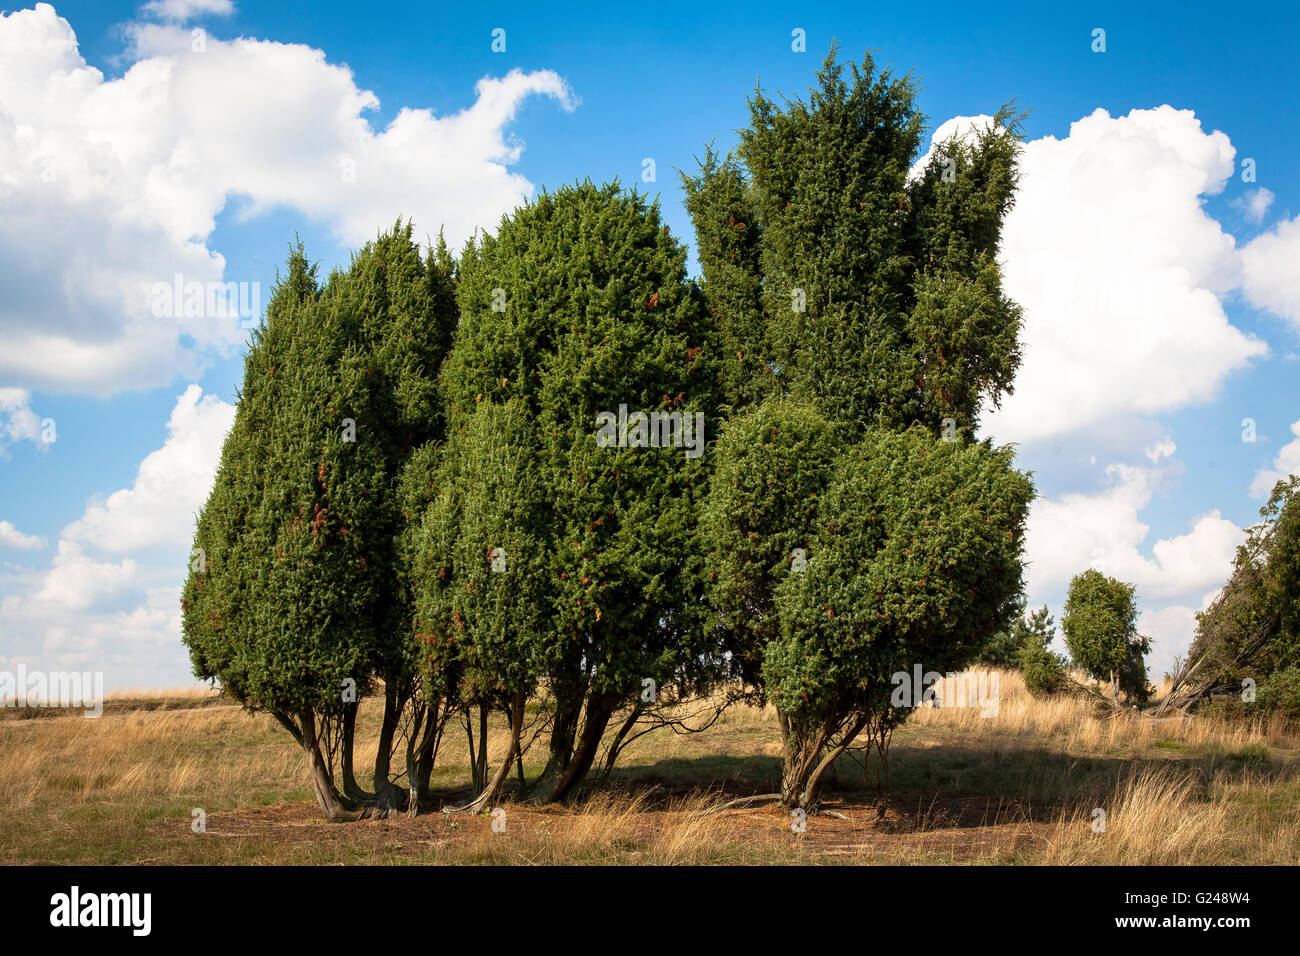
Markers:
point(1022, 786)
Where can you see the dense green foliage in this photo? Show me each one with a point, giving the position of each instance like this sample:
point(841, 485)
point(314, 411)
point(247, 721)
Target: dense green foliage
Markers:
point(772, 465)
point(296, 592)
point(580, 305)
point(916, 559)
point(1252, 630)
point(1100, 624)
point(875, 297)
point(577, 475)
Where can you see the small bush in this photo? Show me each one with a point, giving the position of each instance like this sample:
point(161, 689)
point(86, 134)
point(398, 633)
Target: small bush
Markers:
point(1280, 692)
point(1044, 671)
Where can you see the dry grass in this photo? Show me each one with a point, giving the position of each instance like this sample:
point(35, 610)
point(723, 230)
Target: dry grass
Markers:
point(1080, 725)
point(1163, 817)
point(1017, 786)
point(190, 692)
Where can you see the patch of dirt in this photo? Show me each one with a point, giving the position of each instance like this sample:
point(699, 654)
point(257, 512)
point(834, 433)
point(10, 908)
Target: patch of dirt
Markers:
point(912, 828)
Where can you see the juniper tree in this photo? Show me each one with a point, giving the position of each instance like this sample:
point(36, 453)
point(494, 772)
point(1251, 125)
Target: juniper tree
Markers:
point(874, 296)
point(916, 560)
point(431, 509)
point(482, 575)
point(297, 609)
point(1251, 632)
point(580, 306)
point(1100, 624)
point(772, 464)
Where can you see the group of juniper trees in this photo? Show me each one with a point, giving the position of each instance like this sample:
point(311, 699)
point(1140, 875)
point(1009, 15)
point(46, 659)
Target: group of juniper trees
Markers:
point(412, 502)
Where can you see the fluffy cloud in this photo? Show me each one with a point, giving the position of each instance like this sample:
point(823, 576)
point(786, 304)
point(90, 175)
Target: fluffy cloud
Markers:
point(1271, 276)
point(17, 420)
point(12, 538)
point(1120, 271)
point(1171, 630)
point(1102, 530)
point(1122, 275)
point(1076, 531)
point(108, 187)
point(77, 581)
point(1285, 464)
point(108, 600)
point(1164, 448)
point(179, 11)
point(170, 486)
point(1255, 204)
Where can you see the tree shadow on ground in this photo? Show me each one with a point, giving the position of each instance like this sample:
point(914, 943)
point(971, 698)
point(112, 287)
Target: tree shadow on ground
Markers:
point(951, 785)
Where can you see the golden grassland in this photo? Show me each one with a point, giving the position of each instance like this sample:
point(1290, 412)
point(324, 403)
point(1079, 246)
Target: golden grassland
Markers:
point(1020, 786)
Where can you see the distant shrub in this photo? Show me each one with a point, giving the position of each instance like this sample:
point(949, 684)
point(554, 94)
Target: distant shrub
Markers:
point(1003, 648)
point(1280, 692)
point(1044, 670)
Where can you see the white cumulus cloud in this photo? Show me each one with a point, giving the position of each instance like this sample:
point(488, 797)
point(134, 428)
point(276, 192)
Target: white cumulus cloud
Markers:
point(17, 420)
point(179, 11)
point(110, 186)
point(1120, 271)
point(1271, 268)
point(109, 599)
point(170, 487)
point(1255, 204)
point(1286, 463)
point(12, 538)
point(1077, 531)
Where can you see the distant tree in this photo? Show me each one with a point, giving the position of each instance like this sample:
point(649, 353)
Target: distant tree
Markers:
point(1003, 648)
point(1279, 692)
point(1100, 625)
point(1043, 669)
point(1252, 629)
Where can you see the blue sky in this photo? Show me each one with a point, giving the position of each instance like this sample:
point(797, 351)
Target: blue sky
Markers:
point(1161, 289)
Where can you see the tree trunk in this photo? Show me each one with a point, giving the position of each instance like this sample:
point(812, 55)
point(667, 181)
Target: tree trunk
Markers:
point(353, 789)
point(800, 758)
point(480, 762)
point(809, 796)
point(420, 768)
point(564, 727)
point(388, 796)
point(492, 792)
point(327, 796)
point(616, 745)
point(600, 707)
